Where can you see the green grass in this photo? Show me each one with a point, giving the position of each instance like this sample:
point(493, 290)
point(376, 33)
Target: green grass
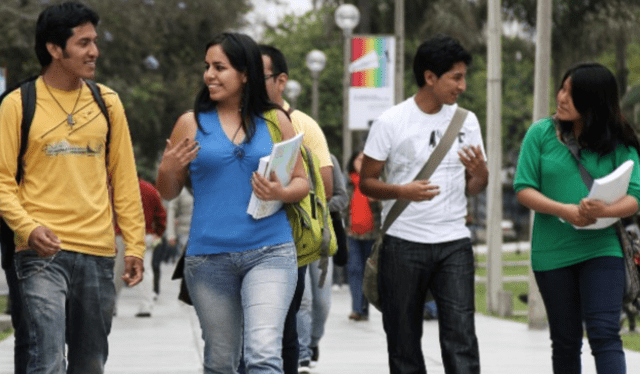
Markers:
point(630, 341)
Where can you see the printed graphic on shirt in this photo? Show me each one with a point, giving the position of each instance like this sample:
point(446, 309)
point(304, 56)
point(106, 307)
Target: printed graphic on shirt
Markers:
point(64, 148)
point(436, 135)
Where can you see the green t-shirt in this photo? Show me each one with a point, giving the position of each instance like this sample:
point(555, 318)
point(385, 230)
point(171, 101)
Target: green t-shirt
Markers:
point(546, 165)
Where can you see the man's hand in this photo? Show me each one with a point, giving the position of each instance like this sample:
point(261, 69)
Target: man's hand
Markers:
point(419, 190)
point(477, 173)
point(44, 242)
point(473, 160)
point(133, 270)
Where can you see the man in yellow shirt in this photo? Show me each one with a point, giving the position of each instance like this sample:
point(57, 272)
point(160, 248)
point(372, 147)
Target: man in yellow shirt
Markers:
point(277, 75)
point(61, 212)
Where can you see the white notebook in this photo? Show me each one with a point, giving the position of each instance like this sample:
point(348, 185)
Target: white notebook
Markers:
point(609, 189)
point(282, 160)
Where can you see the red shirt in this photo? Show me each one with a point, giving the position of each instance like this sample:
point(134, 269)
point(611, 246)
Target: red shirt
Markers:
point(155, 216)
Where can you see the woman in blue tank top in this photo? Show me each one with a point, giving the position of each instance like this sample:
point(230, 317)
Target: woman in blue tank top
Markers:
point(240, 272)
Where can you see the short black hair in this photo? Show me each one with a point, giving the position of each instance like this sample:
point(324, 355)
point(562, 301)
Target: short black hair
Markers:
point(438, 55)
point(278, 61)
point(55, 25)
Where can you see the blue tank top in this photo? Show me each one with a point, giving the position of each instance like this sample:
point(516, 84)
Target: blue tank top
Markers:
point(221, 178)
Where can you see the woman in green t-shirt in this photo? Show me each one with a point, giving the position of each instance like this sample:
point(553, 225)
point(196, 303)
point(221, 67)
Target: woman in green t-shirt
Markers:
point(580, 273)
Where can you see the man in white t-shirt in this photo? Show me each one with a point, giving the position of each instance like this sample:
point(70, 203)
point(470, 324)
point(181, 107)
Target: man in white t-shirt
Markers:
point(428, 247)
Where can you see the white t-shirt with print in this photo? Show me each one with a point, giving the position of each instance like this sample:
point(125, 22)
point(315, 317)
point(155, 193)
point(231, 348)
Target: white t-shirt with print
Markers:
point(404, 136)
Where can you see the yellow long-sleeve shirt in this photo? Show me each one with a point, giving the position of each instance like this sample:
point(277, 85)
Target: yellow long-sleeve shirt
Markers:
point(65, 180)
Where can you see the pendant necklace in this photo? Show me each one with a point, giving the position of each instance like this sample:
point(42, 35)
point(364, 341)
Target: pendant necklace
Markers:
point(70, 120)
point(238, 149)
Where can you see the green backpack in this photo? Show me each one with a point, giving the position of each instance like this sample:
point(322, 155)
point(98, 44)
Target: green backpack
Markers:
point(309, 218)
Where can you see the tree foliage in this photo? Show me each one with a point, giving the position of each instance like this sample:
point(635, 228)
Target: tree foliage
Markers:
point(174, 32)
point(581, 30)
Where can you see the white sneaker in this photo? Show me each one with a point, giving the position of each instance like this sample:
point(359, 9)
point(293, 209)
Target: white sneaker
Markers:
point(303, 367)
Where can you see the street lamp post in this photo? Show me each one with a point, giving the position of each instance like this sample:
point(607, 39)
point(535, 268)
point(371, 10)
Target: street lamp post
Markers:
point(292, 90)
point(316, 60)
point(347, 17)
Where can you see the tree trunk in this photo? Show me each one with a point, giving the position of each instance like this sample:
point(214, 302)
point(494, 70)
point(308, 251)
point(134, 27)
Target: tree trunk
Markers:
point(364, 6)
point(621, 62)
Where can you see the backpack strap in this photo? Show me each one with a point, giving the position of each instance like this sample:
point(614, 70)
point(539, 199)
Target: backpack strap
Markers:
point(271, 118)
point(97, 96)
point(28, 93)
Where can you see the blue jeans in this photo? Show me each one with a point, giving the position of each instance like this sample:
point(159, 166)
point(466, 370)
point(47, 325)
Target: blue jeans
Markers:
point(240, 292)
point(67, 298)
point(314, 309)
point(590, 291)
point(407, 271)
point(359, 251)
point(21, 345)
point(290, 347)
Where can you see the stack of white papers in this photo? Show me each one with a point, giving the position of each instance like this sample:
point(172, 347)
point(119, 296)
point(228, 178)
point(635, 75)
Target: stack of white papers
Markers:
point(609, 189)
point(282, 160)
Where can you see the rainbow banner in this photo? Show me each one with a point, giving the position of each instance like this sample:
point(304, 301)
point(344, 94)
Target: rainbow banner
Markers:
point(372, 72)
point(370, 56)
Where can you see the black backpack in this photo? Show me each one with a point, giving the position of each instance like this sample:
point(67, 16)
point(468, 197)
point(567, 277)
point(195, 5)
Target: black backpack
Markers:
point(28, 91)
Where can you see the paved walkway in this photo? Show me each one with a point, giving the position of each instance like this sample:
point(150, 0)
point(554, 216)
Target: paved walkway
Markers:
point(169, 342)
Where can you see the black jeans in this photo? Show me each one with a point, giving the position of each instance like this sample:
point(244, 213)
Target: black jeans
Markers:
point(589, 291)
point(290, 346)
point(407, 271)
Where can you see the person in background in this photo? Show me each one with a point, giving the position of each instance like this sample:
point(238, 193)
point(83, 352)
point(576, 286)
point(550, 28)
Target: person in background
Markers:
point(155, 218)
point(241, 273)
point(363, 223)
point(179, 213)
point(580, 273)
point(61, 212)
point(316, 300)
point(276, 74)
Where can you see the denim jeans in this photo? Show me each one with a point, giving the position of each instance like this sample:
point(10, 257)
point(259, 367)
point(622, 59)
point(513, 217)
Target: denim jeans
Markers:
point(21, 345)
point(243, 296)
point(407, 271)
point(290, 346)
point(314, 309)
point(67, 298)
point(359, 251)
point(590, 291)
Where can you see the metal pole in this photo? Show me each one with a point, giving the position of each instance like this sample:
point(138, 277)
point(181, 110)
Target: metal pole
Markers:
point(314, 96)
point(542, 73)
point(399, 73)
point(494, 150)
point(346, 133)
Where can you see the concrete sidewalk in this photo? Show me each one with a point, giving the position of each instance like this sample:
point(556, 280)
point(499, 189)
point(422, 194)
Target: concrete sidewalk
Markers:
point(169, 342)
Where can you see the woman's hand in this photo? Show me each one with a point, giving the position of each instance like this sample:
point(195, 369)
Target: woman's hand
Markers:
point(175, 158)
point(267, 189)
point(593, 208)
point(573, 215)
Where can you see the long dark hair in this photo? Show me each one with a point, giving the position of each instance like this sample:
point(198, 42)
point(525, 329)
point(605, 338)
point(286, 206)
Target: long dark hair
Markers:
point(244, 55)
point(594, 92)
